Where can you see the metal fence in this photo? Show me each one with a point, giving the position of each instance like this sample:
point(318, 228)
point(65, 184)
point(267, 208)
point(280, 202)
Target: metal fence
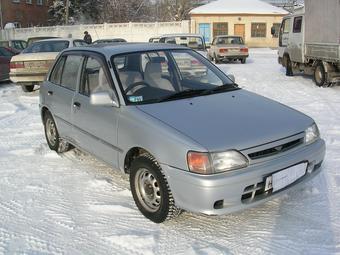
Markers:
point(132, 32)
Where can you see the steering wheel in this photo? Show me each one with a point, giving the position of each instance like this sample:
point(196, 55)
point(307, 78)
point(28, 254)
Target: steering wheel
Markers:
point(135, 84)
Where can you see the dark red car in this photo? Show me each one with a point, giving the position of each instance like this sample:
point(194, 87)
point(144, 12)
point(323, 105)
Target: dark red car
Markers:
point(5, 58)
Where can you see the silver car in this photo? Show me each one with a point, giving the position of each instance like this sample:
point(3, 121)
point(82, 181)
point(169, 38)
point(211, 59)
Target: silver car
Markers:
point(226, 48)
point(189, 141)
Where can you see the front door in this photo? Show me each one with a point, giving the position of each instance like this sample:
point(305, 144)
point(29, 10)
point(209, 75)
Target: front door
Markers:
point(239, 30)
point(95, 127)
point(205, 31)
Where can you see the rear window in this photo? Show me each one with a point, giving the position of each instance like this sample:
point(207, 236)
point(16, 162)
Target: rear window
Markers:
point(5, 52)
point(79, 43)
point(229, 40)
point(47, 46)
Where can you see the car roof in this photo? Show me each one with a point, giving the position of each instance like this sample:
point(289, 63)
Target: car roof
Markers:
point(60, 39)
point(122, 48)
point(228, 36)
point(181, 34)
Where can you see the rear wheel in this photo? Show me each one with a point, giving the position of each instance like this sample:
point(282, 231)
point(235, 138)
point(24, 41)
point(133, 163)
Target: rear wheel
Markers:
point(210, 57)
point(320, 75)
point(27, 88)
point(151, 190)
point(217, 61)
point(243, 60)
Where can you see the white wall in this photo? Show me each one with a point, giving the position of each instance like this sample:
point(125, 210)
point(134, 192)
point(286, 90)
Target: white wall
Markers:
point(132, 32)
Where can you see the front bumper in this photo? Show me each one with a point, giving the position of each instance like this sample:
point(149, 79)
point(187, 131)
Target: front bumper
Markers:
point(223, 193)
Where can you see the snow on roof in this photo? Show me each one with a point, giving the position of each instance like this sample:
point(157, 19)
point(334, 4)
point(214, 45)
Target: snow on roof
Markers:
point(238, 7)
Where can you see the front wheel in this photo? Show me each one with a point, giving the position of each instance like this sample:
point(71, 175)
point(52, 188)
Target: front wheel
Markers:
point(151, 190)
point(289, 67)
point(27, 88)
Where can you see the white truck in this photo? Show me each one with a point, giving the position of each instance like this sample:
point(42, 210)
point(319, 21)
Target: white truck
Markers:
point(309, 41)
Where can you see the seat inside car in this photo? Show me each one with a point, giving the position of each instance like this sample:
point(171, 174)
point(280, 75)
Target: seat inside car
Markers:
point(153, 76)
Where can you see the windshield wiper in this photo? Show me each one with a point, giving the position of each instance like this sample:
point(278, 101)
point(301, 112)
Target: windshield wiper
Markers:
point(222, 88)
point(182, 94)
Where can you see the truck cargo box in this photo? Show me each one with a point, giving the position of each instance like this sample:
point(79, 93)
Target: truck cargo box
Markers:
point(322, 21)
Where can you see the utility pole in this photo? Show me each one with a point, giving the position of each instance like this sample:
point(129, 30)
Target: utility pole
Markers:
point(67, 7)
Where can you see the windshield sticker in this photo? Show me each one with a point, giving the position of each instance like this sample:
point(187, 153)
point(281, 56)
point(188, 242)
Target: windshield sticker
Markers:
point(135, 99)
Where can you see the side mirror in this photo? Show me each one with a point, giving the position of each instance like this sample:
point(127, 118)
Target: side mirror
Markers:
point(231, 77)
point(102, 99)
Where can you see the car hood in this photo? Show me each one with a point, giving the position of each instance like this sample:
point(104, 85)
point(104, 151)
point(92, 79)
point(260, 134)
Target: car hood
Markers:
point(231, 120)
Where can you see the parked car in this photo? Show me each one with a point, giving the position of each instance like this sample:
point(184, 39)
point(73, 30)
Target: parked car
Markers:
point(5, 58)
point(226, 48)
point(193, 41)
point(31, 66)
point(112, 40)
point(16, 45)
point(39, 38)
point(154, 40)
point(199, 144)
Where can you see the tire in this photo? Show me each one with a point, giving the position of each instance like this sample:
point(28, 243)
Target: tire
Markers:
point(52, 135)
point(243, 60)
point(289, 67)
point(210, 57)
point(320, 75)
point(217, 61)
point(27, 88)
point(151, 191)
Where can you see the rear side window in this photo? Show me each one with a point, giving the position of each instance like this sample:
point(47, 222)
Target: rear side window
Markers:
point(57, 71)
point(70, 71)
point(297, 24)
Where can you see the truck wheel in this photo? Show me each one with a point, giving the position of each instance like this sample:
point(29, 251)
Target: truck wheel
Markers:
point(27, 88)
point(52, 135)
point(320, 75)
point(289, 67)
point(151, 191)
point(217, 61)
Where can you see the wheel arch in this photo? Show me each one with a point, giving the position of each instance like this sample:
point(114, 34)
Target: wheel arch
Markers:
point(133, 153)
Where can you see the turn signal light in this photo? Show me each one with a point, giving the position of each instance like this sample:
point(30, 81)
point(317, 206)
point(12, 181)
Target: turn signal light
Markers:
point(223, 50)
point(199, 162)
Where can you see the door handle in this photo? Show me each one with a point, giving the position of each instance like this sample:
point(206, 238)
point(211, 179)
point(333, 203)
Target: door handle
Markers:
point(50, 93)
point(76, 104)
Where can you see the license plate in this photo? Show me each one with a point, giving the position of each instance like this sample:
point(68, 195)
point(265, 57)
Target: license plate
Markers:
point(285, 177)
point(35, 64)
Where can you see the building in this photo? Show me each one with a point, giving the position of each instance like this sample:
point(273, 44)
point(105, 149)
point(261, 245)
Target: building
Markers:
point(24, 13)
point(254, 20)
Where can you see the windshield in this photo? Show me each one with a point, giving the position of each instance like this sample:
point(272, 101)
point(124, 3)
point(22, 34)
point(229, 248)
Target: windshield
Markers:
point(193, 42)
point(229, 40)
point(155, 76)
point(47, 46)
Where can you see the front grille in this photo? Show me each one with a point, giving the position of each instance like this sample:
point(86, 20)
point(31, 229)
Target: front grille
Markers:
point(275, 150)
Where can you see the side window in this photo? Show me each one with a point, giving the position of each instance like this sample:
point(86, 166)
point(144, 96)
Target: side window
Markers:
point(297, 24)
point(70, 72)
point(57, 71)
point(94, 78)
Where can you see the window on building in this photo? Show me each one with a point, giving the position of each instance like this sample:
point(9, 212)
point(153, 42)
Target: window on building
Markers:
point(276, 30)
point(16, 1)
point(39, 2)
point(220, 28)
point(29, 1)
point(297, 24)
point(258, 29)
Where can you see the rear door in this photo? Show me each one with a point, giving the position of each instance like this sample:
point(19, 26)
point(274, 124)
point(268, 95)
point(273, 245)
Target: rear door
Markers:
point(59, 92)
point(95, 127)
point(5, 57)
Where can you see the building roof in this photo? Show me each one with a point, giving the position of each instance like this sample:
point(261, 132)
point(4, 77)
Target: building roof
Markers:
point(238, 7)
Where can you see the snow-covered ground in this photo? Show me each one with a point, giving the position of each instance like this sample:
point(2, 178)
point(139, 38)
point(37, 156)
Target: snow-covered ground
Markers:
point(74, 204)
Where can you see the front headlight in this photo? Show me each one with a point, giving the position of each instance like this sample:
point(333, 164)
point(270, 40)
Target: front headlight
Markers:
point(312, 134)
point(228, 160)
point(205, 163)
